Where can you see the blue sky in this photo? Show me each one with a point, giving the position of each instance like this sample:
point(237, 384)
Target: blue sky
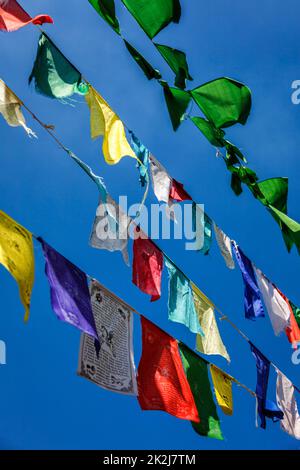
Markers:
point(44, 405)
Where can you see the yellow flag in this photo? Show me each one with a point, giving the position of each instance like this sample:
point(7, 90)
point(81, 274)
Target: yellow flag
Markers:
point(223, 389)
point(211, 342)
point(105, 122)
point(16, 255)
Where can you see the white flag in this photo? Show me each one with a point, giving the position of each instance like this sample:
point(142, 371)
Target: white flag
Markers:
point(224, 243)
point(285, 396)
point(161, 181)
point(278, 309)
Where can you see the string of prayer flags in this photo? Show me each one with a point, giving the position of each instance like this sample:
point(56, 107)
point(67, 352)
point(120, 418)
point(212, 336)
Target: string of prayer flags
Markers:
point(202, 226)
point(181, 305)
point(278, 309)
point(147, 265)
point(53, 75)
point(224, 244)
point(13, 16)
point(143, 155)
point(210, 342)
point(113, 368)
point(223, 389)
point(223, 101)
point(16, 255)
point(177, 61)
point(106, 123)
point(197, 374)
point(285, 396)
point(10, 108)
point(252, 300)
point(110, 228)
point(146, 67)
point(70, 298)
point(107, 10)
point(154, 15)
point(162, 384)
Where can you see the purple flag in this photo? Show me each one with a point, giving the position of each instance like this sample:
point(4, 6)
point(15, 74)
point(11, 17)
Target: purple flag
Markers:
point(252, 300)
point(70, 297)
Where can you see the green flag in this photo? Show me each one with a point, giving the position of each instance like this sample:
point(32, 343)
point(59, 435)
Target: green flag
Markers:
point(274, 192)
point(147, 68)
point(177, 102)
point(53, 75)
point(223, 101)
point(289, 227)
point(177, 61)
point(106, 9)
point(154, 15)
point(214, 136)
point(197, 374)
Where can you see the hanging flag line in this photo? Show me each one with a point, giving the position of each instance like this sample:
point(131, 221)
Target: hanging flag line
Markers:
point(222, 316)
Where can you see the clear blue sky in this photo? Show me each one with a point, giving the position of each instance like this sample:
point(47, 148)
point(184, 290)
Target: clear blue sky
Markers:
point(43, 404)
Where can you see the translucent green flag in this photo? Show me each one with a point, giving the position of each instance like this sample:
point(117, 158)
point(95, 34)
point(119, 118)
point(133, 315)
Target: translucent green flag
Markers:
point(289, 227)
point(154, 15)
point(147, 68)
point(177, 61)
point(106, 9)
point(177, 103)
point(214, 136)
point(274, 192)
point(223, 101)
point(197, 374)
point(53, 75)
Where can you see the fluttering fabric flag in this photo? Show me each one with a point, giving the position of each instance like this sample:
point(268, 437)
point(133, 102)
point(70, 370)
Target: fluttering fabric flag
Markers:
point(16, 255)
point(214, 136)
point(70, 297)
point(146, 67)
point(10, 108)
point(262, 369)
point(197, 375)
point(223, 101)
point(106, 123)
point(161, 180)
point(13, 16)
point(289, 227)
point(177, 102)
point(53, 75)
point(181, 305)
point(154, 15)
point(202, 226)
point(177, 61)
point(252, 300)
point(296, 311)
point(147, 265)
point(178, 193)
point(143, 155)
point(211, 342)
point(278, 309)
point(223, 389)
point(293, 331)
point(110, 228)
point(224, 244)
point(107, 10)
point(285, 396)
point(162, 384)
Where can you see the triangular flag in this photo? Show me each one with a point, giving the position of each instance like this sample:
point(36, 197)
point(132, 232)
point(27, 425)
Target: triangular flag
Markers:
point(13, 16)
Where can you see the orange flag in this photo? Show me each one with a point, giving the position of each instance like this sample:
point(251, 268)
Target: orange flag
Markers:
point(13, 17)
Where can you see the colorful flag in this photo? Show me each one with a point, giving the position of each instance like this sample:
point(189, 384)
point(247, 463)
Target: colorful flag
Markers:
point(211, 341)
point(197, 375)
point(277, 307)
point(98, 180)
point(285, 395)
point(13, 17)
point(181, 303)
point(202, 226)
point(252, 300)
point(106, 123)
point(224, 244)
point(161, 180)
point(162, 384)
point(70, 297)
point(16, 255)
point(113, 367)
point(177, 62)
point(147, 265)
point(263, 369)
point(10, 108)
point(178, 193)
point(110, 228)
point(53, 75)
point(143, 158)
point(223, 389)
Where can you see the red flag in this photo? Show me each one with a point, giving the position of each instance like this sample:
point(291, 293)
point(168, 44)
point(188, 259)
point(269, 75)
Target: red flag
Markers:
point(147, 266)
point(292, 331)
point(162, 384)
point(13, 17)
point(178, 193)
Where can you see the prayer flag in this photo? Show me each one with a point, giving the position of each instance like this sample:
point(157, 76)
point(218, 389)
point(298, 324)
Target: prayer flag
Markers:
point(285, 395)
point(224, 244)
point(13, 16)
point(263, 370)
point(223, 389)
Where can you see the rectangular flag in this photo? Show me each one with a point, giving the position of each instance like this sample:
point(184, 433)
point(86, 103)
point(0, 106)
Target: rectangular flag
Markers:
point(13, 16)
point(285, 395)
